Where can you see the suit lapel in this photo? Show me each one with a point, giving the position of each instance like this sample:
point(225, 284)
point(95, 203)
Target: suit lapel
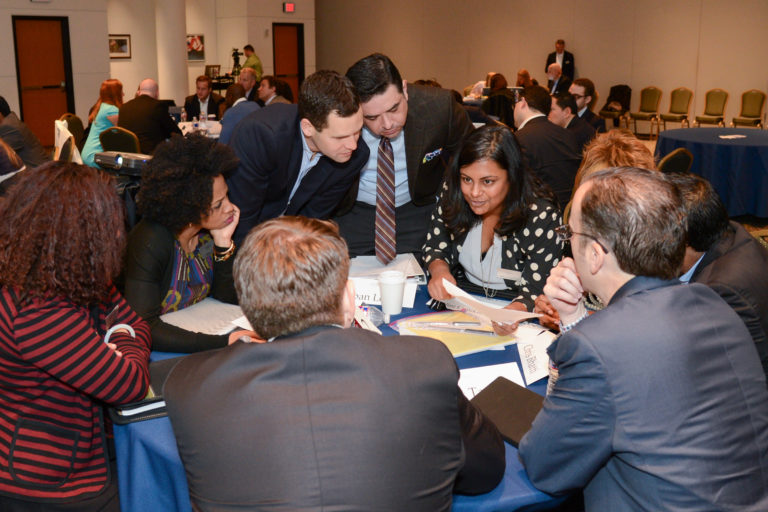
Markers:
point(414, 140)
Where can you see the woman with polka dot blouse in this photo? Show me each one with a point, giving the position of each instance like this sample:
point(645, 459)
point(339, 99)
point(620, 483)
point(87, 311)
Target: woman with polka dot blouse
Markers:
point(492, 231)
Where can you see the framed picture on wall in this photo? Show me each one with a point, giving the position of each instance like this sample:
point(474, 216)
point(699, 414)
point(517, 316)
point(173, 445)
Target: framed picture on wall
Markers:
point(119, 46)
point(195, 47)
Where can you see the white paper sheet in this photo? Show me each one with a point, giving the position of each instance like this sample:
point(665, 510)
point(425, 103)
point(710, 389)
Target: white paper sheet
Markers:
point(370, 267)
point(208, 316)
point(508, 316)
point(473, 380)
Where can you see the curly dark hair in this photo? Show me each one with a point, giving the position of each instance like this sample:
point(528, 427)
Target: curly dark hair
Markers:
point(496, 143)
point(177, 184)
point(62, 233)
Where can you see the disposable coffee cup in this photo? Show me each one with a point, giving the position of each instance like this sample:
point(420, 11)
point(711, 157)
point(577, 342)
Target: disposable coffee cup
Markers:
point(392, 285)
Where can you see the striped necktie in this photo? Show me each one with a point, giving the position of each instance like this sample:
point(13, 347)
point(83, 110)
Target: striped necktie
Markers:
point(385, 203)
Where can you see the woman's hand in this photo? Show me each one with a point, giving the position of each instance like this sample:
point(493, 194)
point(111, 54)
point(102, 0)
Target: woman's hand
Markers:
point(507, 329)
point(438, 270)
point(549, 317)
point(252, 337)
point(222, 237)
point(114, 347)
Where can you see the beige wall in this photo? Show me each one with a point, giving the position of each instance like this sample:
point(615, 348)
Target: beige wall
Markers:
point(699, 44)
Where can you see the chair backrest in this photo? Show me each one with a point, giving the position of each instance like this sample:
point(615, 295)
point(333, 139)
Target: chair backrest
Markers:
point(679, 160)
point(649, 99)
point(716, 100)
point(75, 127)
point(116, 138)
point(680, 101)
point(66, 151)
point(752, 102)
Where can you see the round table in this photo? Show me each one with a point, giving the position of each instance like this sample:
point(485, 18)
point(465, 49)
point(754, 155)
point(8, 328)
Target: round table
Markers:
point(737, 167)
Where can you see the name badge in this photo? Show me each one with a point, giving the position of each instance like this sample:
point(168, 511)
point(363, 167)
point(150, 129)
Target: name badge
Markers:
point(510, 275)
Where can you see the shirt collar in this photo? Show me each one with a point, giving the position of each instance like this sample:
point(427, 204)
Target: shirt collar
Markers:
point(239, 100)
point(686, 278)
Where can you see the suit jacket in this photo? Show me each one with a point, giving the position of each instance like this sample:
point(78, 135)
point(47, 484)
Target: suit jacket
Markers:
point(268, 143)
point(434, 129)
point(551, 153)
point(215, 106)
point(148, 118)
point(736, 267)
point(597, 122)
point(329, 419)
point(234, 115)
point(21, 139)
point(278, 100)
point(582, 132)
point(252, 96)
point(562, 85)
point(660, 404)
point(569, 63)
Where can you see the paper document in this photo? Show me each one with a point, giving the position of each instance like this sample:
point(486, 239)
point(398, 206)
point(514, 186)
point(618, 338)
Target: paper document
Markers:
point(369, 266)
point(474, 380)
point(499, 315)
point(208, 316)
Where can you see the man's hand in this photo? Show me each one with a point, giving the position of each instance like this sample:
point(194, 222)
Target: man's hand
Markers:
point(564, 291)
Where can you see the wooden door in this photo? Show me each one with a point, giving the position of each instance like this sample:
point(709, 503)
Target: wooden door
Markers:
point(43, 72)
point(288, 49)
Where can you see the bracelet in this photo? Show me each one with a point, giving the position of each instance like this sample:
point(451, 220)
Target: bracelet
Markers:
point(219, 256)
point(117, 327)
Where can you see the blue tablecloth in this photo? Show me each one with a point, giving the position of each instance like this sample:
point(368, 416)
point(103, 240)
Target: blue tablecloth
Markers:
point(737, 168)
point(151, 476)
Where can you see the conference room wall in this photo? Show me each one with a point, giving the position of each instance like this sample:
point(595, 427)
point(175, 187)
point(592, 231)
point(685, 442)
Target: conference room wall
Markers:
point(698, 44)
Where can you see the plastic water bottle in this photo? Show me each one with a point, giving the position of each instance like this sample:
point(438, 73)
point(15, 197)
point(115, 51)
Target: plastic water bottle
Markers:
point(183, 115)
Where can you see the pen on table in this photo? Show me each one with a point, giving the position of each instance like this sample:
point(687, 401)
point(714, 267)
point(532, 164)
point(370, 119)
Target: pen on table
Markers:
point(454, 324)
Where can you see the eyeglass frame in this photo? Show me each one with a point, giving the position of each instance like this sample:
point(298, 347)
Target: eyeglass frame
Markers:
point(564, 233)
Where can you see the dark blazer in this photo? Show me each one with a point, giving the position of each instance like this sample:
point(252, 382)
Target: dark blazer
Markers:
point(329, 419)
point(21, 139)
point(234, 115)
point(569, 63)
point(551, 153)
point(253, 96)
point(215, 106)
point(660, 404)
point(582, 132)
point(434, 128)
point(736, 267)
point(269, 145)
point(597, 122)
point(562, 85)
point(148, 118)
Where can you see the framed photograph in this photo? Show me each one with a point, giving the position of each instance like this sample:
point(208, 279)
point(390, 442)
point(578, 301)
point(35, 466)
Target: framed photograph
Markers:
point(195, 47)
point(119, 46)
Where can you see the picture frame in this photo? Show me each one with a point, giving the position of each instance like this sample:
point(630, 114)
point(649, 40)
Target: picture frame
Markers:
point(195, 47)
point(119, 46)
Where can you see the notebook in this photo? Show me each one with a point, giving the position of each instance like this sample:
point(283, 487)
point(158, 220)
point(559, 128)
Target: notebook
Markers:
point(512, 408)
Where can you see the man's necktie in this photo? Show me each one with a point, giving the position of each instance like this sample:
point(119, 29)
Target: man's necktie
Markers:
point(385, 203)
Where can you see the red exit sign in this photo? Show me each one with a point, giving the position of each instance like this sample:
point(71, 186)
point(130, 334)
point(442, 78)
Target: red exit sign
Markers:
point(289, 7)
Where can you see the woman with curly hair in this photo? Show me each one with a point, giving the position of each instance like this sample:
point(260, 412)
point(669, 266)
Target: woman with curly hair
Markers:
point(103, 115)
point(69, 343)
point(182, 250)
point(492, 231)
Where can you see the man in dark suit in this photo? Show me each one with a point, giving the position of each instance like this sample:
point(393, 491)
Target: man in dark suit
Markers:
point(583, 91)
point(323, 417)
point(722, 255)
point(563, 113)
point(298, 159)
point(563, 58)
point(424, 127)
point(250, 84)
point(20, 138)
point(147, 117)
point(557, 81)
point(204, 100)
point(238, 108)
point(550, 150)
point(659, 402)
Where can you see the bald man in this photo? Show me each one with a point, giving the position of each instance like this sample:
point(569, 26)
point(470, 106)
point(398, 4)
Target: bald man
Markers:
point(147, 117)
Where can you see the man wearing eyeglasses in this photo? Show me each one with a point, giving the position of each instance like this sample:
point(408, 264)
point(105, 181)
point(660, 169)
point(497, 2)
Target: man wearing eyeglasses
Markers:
point(583, 91)
point(660, 402)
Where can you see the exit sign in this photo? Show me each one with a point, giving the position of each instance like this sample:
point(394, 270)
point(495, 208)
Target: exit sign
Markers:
point(289, 7)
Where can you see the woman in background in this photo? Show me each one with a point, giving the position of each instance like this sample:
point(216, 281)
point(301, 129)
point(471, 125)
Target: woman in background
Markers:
point(69, 343)
point(103, 115)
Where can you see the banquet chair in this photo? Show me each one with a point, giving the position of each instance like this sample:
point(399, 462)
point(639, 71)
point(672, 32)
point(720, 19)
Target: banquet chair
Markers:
point(650, 97)
point(679, 105)
point(752, 103)
point(679, 160)
point(714, 108)
point(617, 103)
point(66, 151)
point(76, 128)
point(119, 139)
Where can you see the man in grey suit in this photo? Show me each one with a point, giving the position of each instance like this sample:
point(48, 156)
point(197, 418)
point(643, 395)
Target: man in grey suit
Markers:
point(323, 417)
point(425, 126)
point(660, 400)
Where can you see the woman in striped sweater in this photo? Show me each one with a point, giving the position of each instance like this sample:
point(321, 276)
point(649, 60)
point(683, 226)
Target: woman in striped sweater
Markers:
point(69, 343)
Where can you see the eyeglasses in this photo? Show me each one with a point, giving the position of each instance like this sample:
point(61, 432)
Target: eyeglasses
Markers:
point(578, 96)
point(564, 233)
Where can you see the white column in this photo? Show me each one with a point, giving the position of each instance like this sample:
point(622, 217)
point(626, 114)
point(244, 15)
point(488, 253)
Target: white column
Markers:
point(171, 37)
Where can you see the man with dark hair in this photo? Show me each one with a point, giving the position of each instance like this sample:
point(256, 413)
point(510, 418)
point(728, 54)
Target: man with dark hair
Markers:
point(147, 117)
point(722, 255)
point(657, 402)
point(204, 100)
point(565, 59)
point(268, 91)
point(238, 107)
point(411, 131)
point(20, 138)
point(298, 159)
point(252, 61)
point(563, 113)
point(584, 91)
point(323, 417)
point(549, 150)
